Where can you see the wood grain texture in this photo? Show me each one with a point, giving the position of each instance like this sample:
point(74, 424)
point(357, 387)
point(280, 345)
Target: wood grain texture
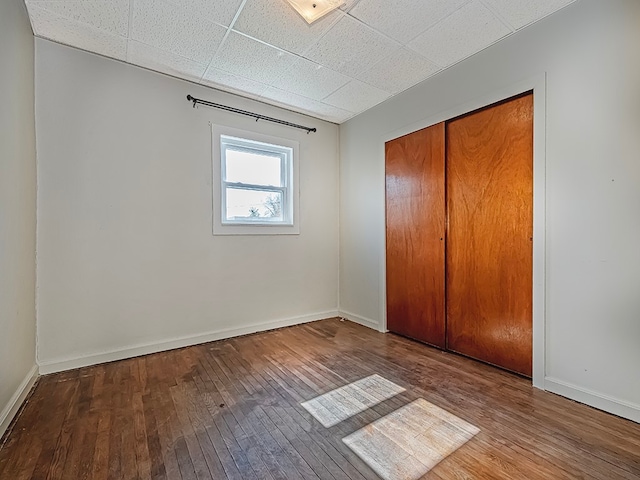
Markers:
point(232, 409)
point(415, 215)
point(489, 236)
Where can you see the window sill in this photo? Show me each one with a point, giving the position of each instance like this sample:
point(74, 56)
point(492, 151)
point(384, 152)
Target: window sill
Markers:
point(245, 229)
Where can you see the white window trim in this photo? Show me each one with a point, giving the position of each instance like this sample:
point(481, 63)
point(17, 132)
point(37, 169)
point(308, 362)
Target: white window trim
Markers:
point(260, 226)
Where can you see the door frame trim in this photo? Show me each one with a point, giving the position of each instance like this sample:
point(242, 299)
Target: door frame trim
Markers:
point(537, 84)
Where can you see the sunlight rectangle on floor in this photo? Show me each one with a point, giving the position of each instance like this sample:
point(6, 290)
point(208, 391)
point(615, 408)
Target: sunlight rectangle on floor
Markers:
point(409, 442)
point(337, 405)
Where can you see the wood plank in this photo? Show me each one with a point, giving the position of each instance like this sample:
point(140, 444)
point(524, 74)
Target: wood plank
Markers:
point(322, 463)
point(281, 464)
point(166, 410)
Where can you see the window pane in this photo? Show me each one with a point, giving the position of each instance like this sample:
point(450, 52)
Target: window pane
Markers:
point(254, 205)
point(253, 168)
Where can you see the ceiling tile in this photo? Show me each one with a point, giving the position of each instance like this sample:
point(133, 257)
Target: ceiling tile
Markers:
point(80, 35)
point(460, 35)
point(305, 105)
point(251, 59)
point(232, 83)
point(351, 47)
point(310, 79)
point(522, 12)
point(331, 113)
point(277, 23)
point(333, 69)
point(403, 20)
point(219, 11)
point(177, 30)
point(111, 16)
point(401, 70)
point(164, 62)
point(356, 96)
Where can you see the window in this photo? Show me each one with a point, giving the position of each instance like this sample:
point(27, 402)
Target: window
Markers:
point(255, 183)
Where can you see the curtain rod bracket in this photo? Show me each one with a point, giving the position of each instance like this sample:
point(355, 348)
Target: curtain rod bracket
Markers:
point(257, 116)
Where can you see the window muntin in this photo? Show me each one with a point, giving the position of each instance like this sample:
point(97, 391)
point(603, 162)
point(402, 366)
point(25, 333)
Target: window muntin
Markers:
point(256, 182)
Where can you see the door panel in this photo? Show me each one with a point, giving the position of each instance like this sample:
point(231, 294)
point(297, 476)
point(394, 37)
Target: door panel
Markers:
point(415, 215)
point(489, 238)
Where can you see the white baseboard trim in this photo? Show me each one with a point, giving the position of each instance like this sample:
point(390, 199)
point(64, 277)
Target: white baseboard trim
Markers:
point(15, 402)
point(600, 401)
point(367, 322)
point(59, 365)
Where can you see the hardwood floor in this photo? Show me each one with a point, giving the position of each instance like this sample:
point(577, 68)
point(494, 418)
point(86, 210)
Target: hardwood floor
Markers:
point(232, 409)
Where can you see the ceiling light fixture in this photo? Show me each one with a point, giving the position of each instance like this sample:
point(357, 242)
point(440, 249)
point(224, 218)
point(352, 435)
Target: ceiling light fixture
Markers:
point(312, 10)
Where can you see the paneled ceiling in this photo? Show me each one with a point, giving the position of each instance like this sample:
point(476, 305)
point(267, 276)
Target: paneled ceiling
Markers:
point(347, 62)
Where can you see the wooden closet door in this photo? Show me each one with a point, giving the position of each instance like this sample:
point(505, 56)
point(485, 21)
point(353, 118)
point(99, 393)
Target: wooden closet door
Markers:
point(415, 217)
point(489, 236)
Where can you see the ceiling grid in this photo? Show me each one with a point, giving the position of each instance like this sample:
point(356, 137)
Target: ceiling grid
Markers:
point(345, 63)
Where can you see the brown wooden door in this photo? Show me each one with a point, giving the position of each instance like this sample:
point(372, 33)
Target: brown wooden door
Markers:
point(489, 237)
point(415, 213)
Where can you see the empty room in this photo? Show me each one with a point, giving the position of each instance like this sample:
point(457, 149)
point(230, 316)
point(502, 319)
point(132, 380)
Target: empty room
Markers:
point(319, 239)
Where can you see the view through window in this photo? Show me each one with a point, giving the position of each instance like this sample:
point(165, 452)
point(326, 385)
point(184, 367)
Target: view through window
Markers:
point(256, 182)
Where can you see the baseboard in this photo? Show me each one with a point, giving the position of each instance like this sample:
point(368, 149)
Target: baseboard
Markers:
point(59, 365)
point(602, 402)
point(367, 322)
point(10, 410)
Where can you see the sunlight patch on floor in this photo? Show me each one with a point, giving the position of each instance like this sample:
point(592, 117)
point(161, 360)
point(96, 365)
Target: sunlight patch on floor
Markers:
point(337, 405)
point(409, 442)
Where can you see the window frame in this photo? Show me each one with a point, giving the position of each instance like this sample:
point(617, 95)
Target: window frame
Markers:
point(242, 140)
point(250, 146)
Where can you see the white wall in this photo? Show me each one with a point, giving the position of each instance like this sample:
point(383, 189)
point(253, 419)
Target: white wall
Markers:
point(127, 262)
point(17, 209)
point(589, 52)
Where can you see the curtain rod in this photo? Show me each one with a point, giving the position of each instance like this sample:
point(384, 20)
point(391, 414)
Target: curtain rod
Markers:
point(257, 116)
